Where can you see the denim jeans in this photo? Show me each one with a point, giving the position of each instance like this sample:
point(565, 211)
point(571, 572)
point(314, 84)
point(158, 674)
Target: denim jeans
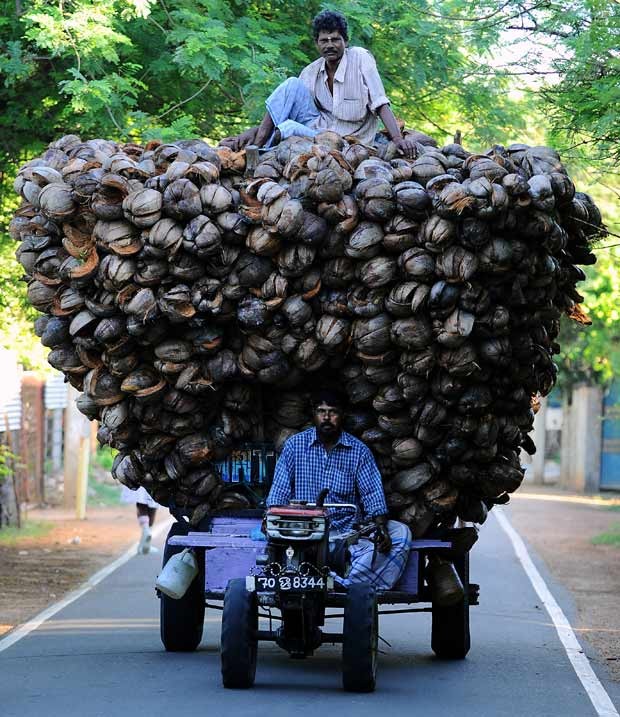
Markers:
point(292, 110)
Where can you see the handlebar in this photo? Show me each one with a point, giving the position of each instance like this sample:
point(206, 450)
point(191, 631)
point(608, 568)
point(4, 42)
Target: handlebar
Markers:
point(339, 505)
point(321, 499)
point(320, 502)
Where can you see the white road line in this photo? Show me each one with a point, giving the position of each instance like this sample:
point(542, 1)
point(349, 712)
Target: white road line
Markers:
point(20, 632)
point(596, 692)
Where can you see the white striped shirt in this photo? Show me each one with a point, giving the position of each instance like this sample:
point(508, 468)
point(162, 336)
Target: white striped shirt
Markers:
point(358, 94)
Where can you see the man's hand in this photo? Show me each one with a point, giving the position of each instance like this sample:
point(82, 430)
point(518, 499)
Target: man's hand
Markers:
point(382, 535)
point(239, 141)
point(406, 147)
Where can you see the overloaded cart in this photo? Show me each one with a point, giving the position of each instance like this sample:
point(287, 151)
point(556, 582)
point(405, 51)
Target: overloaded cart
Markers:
point(276, 564)
point(188, 293)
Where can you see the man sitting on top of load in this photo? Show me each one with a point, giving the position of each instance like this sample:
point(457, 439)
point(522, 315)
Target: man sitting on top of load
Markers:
point(341, 91)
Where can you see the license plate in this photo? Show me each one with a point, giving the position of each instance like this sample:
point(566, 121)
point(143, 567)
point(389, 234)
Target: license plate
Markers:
point(287, 583)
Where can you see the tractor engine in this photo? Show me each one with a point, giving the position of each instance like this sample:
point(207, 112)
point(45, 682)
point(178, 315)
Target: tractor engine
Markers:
point(296, 568)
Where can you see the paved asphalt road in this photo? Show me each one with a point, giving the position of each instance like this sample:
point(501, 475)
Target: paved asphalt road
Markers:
point(101, 656)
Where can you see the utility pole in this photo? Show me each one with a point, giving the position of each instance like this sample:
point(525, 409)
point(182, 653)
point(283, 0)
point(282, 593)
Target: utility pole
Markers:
point(77, 457)
point(540, 439)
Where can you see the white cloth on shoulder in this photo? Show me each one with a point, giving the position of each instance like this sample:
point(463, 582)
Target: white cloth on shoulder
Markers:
point(138, 496)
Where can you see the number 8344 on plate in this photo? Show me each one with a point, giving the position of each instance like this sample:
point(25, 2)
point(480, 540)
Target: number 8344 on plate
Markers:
point(288, 583)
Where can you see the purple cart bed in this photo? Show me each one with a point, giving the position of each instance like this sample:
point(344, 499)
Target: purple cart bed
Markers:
point(230, 553)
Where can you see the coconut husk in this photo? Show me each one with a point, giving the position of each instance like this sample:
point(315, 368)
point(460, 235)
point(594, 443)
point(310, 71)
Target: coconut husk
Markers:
point(431, 290)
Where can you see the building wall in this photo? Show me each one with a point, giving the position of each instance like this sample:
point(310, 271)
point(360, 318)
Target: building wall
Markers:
point(31, 427)
point(580, 459)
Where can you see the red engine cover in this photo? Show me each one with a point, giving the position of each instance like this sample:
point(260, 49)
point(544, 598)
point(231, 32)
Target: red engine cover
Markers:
point(295, 511)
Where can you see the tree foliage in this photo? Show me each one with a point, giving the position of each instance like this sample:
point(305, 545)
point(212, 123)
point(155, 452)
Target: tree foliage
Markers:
point(592, 353)
point(136, 68)
point(142, 69)
point(571, 48)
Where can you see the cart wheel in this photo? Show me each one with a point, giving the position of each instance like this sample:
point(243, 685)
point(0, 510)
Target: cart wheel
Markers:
point(360, 639)
point(181, 621)
point(239, 641)
point(450, 638)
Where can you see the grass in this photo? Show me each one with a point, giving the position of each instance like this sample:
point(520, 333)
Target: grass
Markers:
point(103, 493)
point(11, 535)
point(105, 457)
point(609, 537)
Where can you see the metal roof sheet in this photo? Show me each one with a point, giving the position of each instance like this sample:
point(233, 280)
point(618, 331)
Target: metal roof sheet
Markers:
point(56, 392)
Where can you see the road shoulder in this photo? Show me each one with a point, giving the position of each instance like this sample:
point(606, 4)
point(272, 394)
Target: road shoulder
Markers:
point(42, 569)
point(561, 527)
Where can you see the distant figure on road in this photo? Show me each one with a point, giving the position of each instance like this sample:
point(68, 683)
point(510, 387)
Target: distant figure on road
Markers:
point(341, 91)
point(146, 509)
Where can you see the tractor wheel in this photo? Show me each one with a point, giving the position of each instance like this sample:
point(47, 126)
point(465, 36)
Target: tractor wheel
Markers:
point(181, 621)
point(450, 638)
point(239, 640)
point(360, 639)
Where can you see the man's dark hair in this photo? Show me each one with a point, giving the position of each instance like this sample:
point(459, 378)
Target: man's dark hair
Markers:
point(330, 21)
point(329, 396)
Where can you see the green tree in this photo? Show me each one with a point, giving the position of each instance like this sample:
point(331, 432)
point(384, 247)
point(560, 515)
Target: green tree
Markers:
point(140, 69)
point(592, 353)
point(567, 52)
point(134, 68)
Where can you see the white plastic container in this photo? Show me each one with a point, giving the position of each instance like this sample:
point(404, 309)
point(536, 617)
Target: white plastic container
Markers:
point(177, 575)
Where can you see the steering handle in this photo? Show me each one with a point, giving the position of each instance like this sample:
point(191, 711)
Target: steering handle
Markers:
point(321, 499)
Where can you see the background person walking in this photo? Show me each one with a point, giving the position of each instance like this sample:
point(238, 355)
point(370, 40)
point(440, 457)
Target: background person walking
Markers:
point(146, 509)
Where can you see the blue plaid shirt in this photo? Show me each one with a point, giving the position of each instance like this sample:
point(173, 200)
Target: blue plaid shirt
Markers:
point(348, 470)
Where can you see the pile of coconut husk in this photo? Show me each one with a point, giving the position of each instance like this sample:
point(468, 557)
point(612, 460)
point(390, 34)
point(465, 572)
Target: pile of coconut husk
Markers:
point(195, 304)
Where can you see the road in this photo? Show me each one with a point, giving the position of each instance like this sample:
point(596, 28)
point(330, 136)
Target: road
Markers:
point(101, 656)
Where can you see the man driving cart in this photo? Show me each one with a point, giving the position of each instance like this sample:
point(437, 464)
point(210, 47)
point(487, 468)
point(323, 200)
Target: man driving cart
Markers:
point(328, 544)
point(326, 457)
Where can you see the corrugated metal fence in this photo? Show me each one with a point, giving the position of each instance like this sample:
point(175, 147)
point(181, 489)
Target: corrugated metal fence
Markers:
point(31, 425)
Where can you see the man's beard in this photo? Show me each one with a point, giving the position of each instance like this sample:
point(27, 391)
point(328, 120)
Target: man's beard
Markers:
point(328, 431)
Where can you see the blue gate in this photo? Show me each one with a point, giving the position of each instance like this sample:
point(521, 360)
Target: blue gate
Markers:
point(610, 457)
